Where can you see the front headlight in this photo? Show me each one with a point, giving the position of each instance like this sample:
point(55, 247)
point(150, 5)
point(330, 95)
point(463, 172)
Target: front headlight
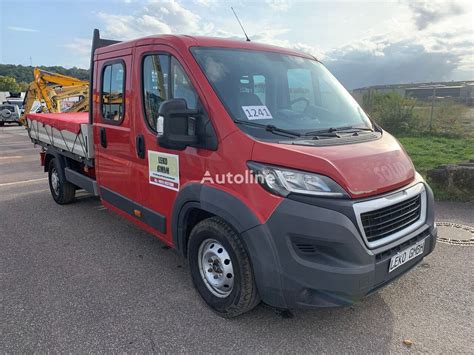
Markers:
point(282, 181)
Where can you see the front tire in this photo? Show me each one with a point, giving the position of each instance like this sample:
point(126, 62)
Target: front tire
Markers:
point(63, 191)
point(220, 268)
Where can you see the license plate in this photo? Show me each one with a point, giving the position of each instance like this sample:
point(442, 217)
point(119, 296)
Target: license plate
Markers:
point(406, 255)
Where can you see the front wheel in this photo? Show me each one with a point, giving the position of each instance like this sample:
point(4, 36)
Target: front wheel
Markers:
point(221, 269)
point(63, 191)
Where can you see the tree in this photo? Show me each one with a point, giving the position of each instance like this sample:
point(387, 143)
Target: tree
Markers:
point(392, 111)
point(8, 83)
point(23, 86)
point(25, 73)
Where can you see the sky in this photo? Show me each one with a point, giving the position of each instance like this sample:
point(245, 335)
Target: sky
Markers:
point(362, 42)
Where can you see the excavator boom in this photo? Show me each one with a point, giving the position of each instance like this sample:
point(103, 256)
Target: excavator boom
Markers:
point(52, 88)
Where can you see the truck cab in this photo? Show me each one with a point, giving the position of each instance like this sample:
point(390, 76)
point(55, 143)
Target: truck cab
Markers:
point(252, 161)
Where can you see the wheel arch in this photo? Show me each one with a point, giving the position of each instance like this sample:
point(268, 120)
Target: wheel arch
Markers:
point(196, 202)
point(51, 154)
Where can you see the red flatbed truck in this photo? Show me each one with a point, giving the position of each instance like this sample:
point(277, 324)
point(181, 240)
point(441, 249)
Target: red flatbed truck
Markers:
point(250, 160)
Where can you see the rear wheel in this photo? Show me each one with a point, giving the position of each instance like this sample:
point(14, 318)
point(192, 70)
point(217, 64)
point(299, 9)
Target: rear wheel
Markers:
point(63, 192)
point(221, 269)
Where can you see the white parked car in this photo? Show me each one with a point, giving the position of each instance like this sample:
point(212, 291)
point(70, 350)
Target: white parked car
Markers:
point(9, 113)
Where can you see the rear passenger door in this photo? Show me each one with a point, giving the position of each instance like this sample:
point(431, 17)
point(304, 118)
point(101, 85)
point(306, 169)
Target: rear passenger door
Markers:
point(112, 131)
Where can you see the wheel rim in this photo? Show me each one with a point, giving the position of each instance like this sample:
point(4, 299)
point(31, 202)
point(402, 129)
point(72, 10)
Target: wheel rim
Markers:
point(55, 181)
point(215, 266)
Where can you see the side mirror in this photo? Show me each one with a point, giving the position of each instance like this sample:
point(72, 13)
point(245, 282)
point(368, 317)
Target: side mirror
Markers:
point(176, 125)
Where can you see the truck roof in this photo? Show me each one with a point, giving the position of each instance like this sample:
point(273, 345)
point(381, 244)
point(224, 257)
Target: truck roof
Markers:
point(186, 41)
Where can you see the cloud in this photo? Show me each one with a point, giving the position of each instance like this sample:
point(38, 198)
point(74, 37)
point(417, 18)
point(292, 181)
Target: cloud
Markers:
point(441, 48)
point(21, 29)
point(81, 47)
point(436, 44)
point(279, 5)
point(275, 36)
point(427, 12)
point(157, 17)
point(172, 17)
point(205, 3)
point(382, 59)
point(400, 63)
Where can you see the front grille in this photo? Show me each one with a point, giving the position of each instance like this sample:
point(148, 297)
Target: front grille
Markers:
point(385, 221)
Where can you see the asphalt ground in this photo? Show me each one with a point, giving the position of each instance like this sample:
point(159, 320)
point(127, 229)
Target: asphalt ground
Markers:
point(78, 278)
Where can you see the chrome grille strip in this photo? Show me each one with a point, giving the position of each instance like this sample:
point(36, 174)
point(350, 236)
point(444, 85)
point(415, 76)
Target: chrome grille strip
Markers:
point(410, 218)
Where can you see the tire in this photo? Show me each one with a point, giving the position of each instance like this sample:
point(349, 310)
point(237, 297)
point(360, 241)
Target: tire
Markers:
point(2, 124)
point(63, 192)
point(234, 291)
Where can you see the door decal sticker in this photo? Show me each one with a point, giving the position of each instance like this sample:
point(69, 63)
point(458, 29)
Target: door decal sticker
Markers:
point(163, 170)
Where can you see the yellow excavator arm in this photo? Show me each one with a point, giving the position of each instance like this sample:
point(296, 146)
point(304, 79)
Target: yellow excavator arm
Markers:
point(51, 88)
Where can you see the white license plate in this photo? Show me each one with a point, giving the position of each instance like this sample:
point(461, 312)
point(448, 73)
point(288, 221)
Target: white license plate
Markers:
point(406, 255)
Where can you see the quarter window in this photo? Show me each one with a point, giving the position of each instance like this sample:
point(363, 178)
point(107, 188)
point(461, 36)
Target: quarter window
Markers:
point(155, 85)
point(182, 88)
point(113, 80)
point(163, 79)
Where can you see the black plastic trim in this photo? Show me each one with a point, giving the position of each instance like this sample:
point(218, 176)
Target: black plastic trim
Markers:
point(149, 217)
point(213, 201)
point(82, 181)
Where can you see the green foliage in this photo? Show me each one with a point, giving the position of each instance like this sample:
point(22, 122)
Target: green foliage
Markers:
point(23, 86)
point(450, 118)
point(428, 152)
point(402, 115)
point(8, 83)
point(24, 74)
point(392, 111)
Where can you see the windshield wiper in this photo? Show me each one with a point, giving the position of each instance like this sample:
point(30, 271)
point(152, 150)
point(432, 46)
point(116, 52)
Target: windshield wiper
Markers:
point(270, 128)
point(332, 132)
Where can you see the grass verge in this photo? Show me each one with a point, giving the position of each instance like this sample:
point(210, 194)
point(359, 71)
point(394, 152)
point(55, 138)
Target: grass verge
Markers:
point(428, 152)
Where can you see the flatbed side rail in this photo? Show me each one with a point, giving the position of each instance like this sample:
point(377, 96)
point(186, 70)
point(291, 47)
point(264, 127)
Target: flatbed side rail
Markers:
point(78, 146)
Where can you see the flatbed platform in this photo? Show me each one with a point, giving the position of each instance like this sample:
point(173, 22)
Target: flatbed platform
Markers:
point(62, 121)
point(68, 132)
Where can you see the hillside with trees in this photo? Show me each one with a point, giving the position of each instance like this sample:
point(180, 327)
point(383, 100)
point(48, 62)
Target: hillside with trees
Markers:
point(23, 75)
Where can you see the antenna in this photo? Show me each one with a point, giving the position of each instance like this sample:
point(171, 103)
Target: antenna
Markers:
point(242, 27)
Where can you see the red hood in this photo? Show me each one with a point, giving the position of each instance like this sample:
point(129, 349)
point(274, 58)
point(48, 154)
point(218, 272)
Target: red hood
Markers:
point(362, 169)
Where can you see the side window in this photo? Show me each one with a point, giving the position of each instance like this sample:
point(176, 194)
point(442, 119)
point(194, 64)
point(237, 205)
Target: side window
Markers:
point(300, 86)
point(182, 87)
point(113, 82)
point(155, 85)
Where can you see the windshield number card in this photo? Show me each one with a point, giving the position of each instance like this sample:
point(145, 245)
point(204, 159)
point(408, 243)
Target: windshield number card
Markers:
point(257, 112)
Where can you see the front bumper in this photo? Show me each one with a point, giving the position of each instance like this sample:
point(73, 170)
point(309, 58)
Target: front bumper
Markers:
point(313, 255)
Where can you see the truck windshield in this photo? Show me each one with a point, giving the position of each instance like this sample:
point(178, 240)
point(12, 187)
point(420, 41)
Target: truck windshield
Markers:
point(284, 91)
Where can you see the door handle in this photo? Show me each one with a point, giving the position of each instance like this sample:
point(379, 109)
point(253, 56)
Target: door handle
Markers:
point(140, 146)
point(103, 137)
